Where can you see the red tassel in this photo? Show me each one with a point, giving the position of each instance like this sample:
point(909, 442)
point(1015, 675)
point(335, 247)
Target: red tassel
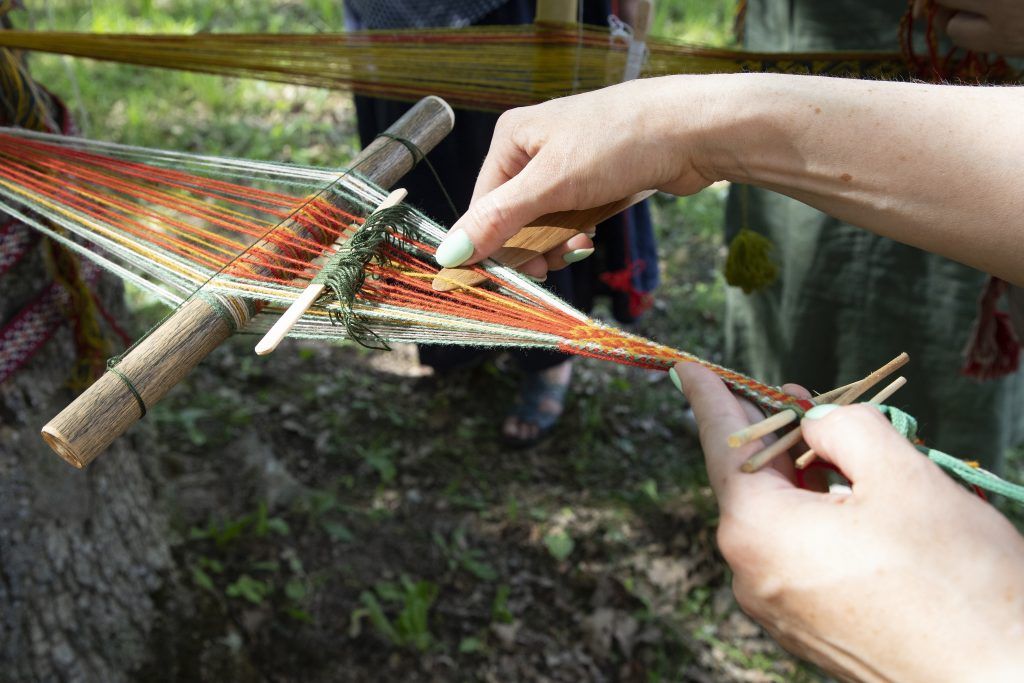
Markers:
point(993, 349)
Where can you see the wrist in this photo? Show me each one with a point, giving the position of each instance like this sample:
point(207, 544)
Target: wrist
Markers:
point(742, 123)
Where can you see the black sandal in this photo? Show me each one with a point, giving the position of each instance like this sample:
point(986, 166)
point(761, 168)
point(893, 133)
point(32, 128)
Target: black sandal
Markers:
point(533, 392)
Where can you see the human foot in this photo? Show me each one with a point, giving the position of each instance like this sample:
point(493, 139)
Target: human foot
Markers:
point(540, 404)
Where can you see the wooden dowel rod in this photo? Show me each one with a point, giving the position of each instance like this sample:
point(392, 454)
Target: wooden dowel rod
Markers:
point(766, 455)
point(807, 458)
point(860, 388)
point(105, 410)
point(883, 395)
point(312, 292)
point(779, 420)
point(762, 428)
point(830, 396)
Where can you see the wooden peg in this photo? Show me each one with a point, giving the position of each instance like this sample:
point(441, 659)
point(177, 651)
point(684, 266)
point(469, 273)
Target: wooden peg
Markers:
point(762, 428)
point(830, 396)
point(766, 455)
point(311, 293)
point(779, 420)
point(541, 236)
point(807, 458)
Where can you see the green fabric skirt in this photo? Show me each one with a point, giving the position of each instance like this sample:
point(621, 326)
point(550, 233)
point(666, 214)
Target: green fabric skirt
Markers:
point(847, 301)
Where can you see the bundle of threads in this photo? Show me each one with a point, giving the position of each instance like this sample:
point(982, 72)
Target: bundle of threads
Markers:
point(489, 68)
point(172, 223)
point(175, 223)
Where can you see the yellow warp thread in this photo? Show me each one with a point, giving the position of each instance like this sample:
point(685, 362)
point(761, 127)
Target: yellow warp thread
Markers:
point(493, 67)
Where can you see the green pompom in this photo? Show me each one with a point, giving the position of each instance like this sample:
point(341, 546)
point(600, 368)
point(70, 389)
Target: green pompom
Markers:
point(749, 264)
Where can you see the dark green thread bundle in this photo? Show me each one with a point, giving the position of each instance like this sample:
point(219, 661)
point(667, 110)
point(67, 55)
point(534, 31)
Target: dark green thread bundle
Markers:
point(345, 272)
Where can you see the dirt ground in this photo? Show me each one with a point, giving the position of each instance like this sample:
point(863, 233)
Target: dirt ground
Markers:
point(342, 516)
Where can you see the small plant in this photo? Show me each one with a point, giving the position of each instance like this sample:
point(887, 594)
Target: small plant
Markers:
point(559, 544)
point(248, 588)
point(410, 628)
point(380, 456)
point(499, 608)
point(461, 556)
point(258, 523)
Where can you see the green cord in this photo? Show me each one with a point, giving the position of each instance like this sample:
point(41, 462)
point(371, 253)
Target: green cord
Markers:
point(906, 425)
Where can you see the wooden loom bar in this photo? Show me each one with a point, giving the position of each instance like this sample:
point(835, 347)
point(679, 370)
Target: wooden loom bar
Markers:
point(106, 409)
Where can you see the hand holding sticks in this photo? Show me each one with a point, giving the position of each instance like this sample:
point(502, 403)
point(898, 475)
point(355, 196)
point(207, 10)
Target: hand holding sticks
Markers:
point(841, 396)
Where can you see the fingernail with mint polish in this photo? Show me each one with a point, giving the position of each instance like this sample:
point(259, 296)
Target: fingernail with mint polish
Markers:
point(672, 375)
point(577, 255)
point(818, 412)
point(454, 250)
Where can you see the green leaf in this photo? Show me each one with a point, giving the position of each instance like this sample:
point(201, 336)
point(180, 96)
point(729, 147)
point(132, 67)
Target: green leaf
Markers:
point(265, 566)
point(295, 590)
point(299, 614)
point(278, 526)
point(499, 608)
point(202, 579)
point(559, 544)
point(337, 530)
point(478, 568)
point(471, 644)
point(248, 588)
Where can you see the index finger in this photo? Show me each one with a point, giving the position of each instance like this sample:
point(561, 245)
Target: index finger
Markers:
point(496, 215)
point(719, 414)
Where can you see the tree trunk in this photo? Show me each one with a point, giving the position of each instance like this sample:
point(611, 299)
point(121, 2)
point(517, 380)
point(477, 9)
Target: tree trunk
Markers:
point(81, 552)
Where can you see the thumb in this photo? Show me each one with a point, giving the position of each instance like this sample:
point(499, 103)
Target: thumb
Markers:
point(860, 442)
point(496, 216)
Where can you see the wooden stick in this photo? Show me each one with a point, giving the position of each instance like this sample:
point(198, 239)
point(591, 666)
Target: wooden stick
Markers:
point(807, 458)
point(541, 236)
point(779, 420)
point(829, 396)
point(105, 410)
point(312, 292)
point(762, 428)
point(883, 395)
point(766, 455)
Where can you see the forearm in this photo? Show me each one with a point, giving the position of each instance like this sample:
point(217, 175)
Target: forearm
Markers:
point(938, 167)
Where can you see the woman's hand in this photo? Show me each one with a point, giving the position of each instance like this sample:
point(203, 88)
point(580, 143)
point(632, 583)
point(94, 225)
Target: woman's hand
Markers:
point(580, 152)
point(981, 25)
point(907, 578)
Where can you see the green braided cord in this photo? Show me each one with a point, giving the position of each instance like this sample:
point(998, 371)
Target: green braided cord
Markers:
point(975, 475)
point(128, 383)
point(345, 272)
point(907, 426)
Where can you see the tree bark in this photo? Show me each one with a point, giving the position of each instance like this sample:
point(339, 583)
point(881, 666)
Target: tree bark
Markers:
point(81, 552)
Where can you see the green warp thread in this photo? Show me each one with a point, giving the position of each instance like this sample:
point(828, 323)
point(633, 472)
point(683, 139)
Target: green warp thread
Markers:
point(345, 272)
point(907, 426)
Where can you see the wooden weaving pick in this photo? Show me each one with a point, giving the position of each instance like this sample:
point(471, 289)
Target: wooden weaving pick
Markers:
point(309, 295)
point(541, 236)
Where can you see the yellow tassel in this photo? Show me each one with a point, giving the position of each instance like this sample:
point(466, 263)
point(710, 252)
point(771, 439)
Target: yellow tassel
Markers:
point(749, 264)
